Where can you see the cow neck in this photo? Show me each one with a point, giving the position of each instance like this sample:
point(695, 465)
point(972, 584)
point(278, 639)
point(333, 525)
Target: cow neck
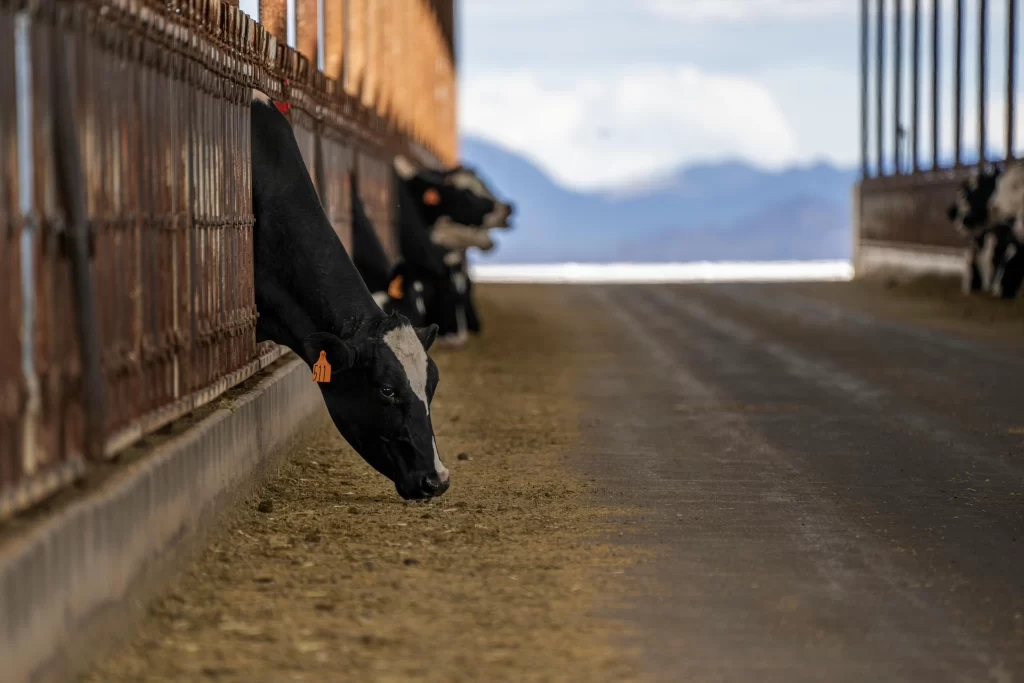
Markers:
point(417, 248)
point(296, 249)
point(368, 254)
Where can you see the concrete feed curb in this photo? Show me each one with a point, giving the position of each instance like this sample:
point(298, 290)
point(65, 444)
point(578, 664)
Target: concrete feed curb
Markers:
point(64, 580)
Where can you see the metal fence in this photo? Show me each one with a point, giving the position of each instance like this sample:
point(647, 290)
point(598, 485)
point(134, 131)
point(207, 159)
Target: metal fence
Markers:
point(161, 93)
point(931, 72)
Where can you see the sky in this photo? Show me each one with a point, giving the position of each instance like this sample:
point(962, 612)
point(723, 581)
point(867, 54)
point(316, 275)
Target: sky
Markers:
point(602, 93)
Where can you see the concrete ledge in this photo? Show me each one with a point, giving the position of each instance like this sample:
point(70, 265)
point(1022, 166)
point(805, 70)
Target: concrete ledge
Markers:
point(897, 260)
point(67, 580)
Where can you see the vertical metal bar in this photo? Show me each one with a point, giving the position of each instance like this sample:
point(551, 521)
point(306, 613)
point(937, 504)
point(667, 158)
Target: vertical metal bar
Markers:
point(1011, 73)
point(880, 88)
point(936, 8)
point(864, 172)
point(897, 85)
point(982, 49)
point(26, 205)
point(958, 83)
point(915, 110)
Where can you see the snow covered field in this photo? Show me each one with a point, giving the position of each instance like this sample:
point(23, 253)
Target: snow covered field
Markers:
point(640, 273)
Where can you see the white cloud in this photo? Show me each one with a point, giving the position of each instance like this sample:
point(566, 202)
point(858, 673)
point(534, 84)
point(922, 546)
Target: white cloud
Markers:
point(601, 130)
point(746, 10)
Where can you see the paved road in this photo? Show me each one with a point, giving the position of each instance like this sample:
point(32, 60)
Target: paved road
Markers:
point(834, 497)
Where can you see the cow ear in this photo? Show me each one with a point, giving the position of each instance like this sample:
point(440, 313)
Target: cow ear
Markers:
point(427, 335)
point(340, 354)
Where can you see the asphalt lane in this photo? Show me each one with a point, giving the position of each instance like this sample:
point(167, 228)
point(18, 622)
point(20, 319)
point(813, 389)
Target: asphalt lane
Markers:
point(832, 495)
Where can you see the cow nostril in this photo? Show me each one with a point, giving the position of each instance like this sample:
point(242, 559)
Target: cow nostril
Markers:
point(430, 483)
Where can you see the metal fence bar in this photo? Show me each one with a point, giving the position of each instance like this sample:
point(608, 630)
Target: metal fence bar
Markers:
point(897, 86)
point(982, 77)
point(915, 110)
point(864, 59)
point(880, 87)
point(1011, 74)
point(957, 85)
point(936, 121)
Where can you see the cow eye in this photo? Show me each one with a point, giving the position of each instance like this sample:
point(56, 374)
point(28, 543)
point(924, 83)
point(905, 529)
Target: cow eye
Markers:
point(388, 393)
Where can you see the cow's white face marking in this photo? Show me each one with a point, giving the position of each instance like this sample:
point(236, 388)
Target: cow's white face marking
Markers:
point(442, 471)
point(409, 351)
point(467, 180)
point(404, 168)
point(258, 96)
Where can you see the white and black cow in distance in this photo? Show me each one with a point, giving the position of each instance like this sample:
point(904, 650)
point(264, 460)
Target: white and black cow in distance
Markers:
point(989, 211)
point(311, 299)
point(454, 215)
point(449, 302)
point(467, 178)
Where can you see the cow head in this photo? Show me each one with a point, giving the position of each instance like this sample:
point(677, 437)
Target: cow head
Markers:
point(467, 178)
point(381, 385)
point(436, 197)
point(970, 212)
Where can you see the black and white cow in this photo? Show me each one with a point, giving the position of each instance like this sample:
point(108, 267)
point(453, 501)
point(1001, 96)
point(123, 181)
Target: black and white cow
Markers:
point(988, 211)
point(467, 178)
point(455, 216)
point(311, 299)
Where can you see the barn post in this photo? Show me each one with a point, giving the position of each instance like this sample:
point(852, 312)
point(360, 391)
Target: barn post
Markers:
point(307, 38)
point(274, 17)
point(334, 39)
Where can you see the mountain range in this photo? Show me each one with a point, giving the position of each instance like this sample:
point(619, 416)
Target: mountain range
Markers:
point(728, 210)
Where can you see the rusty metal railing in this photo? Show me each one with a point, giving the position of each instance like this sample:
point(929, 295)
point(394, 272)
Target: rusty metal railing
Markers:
point(161, 92)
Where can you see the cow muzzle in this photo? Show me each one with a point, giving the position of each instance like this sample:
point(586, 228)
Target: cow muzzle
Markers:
point(424, 485)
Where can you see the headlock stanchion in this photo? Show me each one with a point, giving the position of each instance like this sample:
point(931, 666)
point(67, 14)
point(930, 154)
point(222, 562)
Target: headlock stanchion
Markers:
point(126, 273)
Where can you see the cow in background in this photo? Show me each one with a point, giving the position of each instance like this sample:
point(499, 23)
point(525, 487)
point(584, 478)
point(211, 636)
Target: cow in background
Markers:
point(467, 178)
point(988, 211)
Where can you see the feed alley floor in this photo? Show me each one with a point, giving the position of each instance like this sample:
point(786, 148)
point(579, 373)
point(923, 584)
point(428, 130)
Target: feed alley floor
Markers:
point(681, 483)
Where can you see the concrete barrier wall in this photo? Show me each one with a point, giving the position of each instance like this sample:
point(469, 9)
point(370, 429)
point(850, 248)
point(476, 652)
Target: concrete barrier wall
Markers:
point(67, 581)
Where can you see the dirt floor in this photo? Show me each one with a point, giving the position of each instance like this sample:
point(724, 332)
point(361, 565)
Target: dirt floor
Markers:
point(772, 483)
point(328, 576)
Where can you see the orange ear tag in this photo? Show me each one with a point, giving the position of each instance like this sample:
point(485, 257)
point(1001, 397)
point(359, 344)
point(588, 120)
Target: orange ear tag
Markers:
point(431, 197)
point(322, 369)
point(395, 288)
